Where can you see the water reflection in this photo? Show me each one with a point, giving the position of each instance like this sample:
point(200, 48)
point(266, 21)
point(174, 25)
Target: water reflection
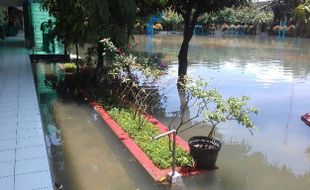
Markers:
point(275, 157)
point(276, 75)
point(85, 153)
point(241, 50)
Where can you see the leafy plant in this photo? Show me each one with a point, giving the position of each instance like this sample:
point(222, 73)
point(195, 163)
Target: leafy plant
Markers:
point(158, 151)
point(2, 15)
point(302, 11)
point(263, 17)
point(170, 16)
point(132, 97)
point(70, 67)
point(214, 106)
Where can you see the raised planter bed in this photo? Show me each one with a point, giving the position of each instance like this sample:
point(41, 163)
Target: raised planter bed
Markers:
point(157, 174)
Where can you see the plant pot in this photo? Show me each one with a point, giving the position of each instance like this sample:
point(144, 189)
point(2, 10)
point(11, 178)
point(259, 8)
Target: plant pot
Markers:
point(204, 151)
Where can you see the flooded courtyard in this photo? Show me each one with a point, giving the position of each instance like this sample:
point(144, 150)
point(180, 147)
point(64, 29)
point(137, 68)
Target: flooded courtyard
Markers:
point(274, 73)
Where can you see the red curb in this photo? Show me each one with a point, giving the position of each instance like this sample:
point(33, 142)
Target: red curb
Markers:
point(156, 173)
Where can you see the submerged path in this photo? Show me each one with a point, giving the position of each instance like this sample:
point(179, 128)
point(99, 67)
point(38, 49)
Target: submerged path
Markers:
point(24, 163)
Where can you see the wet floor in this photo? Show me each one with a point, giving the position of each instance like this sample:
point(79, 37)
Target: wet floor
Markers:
point(275, 74)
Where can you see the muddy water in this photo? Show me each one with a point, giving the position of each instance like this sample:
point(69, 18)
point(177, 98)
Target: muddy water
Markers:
point(276, 75)
point(86, 155)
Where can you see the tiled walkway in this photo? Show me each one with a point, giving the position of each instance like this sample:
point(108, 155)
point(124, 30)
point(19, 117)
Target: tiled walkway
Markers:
point(24, 162)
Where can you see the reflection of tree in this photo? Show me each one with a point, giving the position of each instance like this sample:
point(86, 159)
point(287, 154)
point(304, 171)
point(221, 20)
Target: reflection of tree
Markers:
point(214, 53)
point(183, 104)
point(191, 98)
point(308, 152)
point(155, 102)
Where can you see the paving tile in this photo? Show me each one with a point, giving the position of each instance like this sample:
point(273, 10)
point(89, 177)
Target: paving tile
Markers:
point(29, 124)
point(7, 156)
point(9, 102)
point(27, 101)
point(11, 85)
point(33, 181)
point(29, 112)
point(27, 86)
point(30, 99)
point(6, 99)
point(29, 132)
point(8, 93)
point(8, 133)
point(29, 106)
point(33, 141)
point(31, 152)
point(31, 166)
point(29, 118)
point(21, 135)
point(8, 116)
point(7, 169)
point(29, 93)
point(7, 183)
point(9, 105)
point(7, 144)
point(7, 124)
point(28, 109)
point(6, 110)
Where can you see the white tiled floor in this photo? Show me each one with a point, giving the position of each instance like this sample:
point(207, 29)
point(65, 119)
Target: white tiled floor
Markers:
point(7, 182)
point(24, 163)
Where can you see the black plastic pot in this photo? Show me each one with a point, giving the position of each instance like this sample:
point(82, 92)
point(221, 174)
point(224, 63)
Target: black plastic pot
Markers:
point(204, 150)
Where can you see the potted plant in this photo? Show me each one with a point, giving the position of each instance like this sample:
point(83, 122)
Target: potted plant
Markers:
point(216, 110)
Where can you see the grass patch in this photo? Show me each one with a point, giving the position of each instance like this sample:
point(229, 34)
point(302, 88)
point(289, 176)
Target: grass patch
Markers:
point(158, 151)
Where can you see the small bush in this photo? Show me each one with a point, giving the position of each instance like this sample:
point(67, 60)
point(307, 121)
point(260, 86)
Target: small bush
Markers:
point(70, 67)
point(158, 151)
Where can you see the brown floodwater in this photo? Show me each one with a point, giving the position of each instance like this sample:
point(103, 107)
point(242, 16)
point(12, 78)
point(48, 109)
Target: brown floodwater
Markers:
point(275, 74)
point(86, 155)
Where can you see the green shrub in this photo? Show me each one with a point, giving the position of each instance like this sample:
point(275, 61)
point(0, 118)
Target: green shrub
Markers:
point(70, 67)
point(158, 151)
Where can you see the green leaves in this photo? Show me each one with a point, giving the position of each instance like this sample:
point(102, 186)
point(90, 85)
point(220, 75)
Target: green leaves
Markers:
point(158, 151)
point(216, 108)
point(70, 67)
point(302, 11)
point(2, 16)
point(242, 15)
point(171, 16)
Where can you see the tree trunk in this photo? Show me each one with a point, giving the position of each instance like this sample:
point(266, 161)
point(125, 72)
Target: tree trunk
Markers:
point(183, 55)
point(77, 51)
point(65, 49)
point(189, 26)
